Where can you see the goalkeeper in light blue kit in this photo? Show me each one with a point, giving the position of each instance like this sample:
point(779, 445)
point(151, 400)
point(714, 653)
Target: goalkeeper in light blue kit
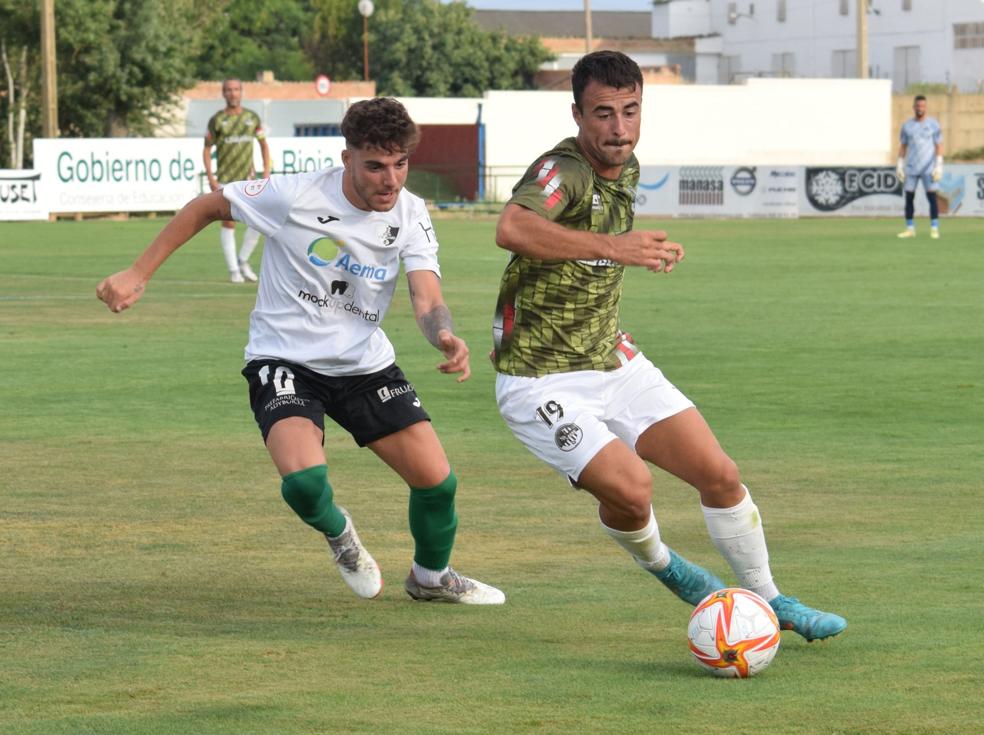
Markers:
point(920, 159)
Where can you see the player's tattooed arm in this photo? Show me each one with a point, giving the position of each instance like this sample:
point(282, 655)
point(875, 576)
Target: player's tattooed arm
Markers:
point(434, 320)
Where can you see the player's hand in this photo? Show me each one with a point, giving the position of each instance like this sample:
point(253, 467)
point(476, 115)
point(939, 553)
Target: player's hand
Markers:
point(650, 249)
point(121, 290)
point(456, 352)
point(937, 173)
point(900, 172)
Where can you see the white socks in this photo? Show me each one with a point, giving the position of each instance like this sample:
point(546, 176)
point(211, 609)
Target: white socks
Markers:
point(645, 546)
point(249, 244)
point(737, 533)
point(427, 577)
point(227, 236)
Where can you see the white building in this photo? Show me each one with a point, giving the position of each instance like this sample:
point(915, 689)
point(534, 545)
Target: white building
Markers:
point(909, 41)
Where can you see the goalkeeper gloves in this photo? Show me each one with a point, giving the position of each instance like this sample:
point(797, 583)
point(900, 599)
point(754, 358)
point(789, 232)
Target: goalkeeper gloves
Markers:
point(900, 170)
point(938, 169)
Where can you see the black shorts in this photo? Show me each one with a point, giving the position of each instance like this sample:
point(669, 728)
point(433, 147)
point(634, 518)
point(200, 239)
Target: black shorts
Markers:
point(368, 407)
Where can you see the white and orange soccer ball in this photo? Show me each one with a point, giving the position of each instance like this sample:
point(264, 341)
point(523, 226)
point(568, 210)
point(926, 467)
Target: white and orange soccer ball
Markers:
point(733, 633)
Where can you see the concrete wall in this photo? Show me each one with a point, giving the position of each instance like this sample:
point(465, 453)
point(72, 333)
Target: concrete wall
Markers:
point(824, 122)
point(960, 115)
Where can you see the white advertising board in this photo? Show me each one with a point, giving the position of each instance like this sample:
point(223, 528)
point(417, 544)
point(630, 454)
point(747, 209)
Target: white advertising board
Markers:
point(21, 195)
point(718, 191)
point(877, 192)
point(151, 174)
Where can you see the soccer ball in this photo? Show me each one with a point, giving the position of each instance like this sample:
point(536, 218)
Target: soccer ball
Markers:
point(733, 633)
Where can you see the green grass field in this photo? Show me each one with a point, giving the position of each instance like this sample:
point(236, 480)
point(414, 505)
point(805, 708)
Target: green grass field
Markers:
point(153, 581)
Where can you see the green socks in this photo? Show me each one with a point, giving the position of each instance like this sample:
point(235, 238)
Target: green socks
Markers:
point(308, 493)
point(433, 523)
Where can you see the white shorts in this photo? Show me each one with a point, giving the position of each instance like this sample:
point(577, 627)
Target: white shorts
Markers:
point(565, 419)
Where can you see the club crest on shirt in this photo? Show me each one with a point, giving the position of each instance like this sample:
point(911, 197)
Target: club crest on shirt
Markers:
point(387, 235)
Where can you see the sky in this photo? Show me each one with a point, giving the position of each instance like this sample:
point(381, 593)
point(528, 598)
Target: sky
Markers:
point(638, 5)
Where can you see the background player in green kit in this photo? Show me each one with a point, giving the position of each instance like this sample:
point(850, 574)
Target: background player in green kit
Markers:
point(575, 389)
point(232, 131)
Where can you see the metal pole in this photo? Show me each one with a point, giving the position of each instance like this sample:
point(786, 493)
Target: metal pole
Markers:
point(365, 47)
point(49, 80)
point(587, 26)
point(862, 39)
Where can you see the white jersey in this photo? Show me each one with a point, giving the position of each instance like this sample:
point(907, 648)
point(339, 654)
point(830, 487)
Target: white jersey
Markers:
point(920, 138)
point(328, 270)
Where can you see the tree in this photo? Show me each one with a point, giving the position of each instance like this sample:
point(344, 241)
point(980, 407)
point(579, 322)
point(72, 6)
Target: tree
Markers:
point(249, 36)
point(421, 47)
point(19, 59)
point(122, 63)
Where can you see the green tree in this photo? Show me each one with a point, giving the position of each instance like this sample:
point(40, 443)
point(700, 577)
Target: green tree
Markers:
point(421, 47)
point(246, 37)
point(19, 67)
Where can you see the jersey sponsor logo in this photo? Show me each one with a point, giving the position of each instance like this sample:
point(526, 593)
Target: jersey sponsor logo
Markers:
point(596, 205)
point(343, 261)
point(568, 436)
point(549, 179)
point(387, 235)
point(328, 219)
point(743, 181)
point(336, 305)
point(255, 187)
point(386, 393)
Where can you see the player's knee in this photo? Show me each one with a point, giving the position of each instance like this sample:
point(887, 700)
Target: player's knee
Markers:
point(306, 490)
point(441, 494)
point(722, 478)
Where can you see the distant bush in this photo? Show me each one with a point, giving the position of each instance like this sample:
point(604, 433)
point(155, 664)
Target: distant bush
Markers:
point(969, 154)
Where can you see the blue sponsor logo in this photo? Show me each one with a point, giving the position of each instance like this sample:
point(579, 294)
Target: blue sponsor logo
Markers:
point(658, 185)
point(343, 262)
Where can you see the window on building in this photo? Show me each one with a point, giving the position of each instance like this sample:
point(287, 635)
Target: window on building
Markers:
point(784, 64)
point(306, 130)
point(781, 11)
point(905, 71)
point(968, 35)
point(843, 64)
point(844, 7)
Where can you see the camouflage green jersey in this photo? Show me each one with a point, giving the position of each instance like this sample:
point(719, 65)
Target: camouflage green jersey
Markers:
point(232, 136)
point(557, 316)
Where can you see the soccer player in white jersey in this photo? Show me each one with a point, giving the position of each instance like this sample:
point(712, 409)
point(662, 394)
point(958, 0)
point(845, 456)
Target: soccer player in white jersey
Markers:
point(335, 242)
point(920, 159)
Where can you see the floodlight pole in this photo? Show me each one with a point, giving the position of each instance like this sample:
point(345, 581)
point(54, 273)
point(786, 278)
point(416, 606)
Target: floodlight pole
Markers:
point(49, 80)
point(365, 9)
point(862, 39)
point(587, 27)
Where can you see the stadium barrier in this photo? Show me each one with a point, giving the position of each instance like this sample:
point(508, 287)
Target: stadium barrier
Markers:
point(160, 175)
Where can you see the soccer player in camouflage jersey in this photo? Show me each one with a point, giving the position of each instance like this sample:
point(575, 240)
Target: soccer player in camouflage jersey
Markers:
point(575, 390)
point(232, 131)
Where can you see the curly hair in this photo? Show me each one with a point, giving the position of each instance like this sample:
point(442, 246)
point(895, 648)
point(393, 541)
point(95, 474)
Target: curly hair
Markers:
point(609, 68)
point(381, 122)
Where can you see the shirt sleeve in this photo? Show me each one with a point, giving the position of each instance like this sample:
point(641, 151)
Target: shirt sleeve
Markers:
point(420, 251)
point(938, 134)
point(903, 136)
point(263, 204)
point(210, 131)
point(258, 132)
point(550, 186)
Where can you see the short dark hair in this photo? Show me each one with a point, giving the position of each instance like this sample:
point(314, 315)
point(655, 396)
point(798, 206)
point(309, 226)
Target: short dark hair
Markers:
point(919, 98)
point(610, 68)
point(381, 122)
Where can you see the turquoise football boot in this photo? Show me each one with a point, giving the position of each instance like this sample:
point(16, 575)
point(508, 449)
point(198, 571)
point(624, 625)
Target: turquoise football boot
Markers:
point(686, 580)
point(814, 625)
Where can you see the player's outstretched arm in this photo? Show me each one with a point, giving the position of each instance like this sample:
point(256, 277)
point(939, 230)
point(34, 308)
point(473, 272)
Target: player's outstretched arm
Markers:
point(121, 290)
point(434, 320)
point(524, 232)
